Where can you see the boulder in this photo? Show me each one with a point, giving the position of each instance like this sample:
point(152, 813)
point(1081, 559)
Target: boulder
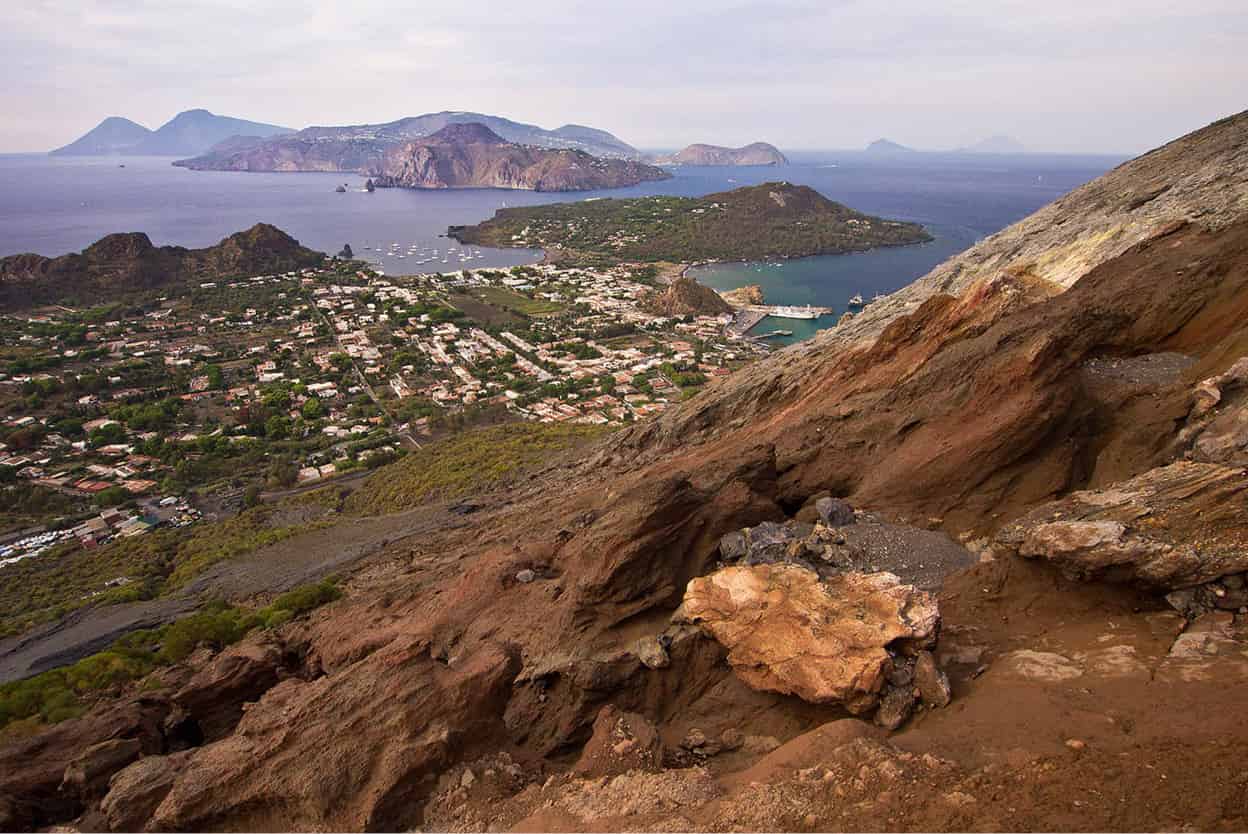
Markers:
point(826, 641)
point(895, 707)
point(931, 681)
point(733, 546)
point(621, 741)
point(834, 512)
point(652, 652)
point(1171, 527)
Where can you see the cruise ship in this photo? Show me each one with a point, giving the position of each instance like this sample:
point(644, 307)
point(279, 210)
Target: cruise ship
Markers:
point(792, 312)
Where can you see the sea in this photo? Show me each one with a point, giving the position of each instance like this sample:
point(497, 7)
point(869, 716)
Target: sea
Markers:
point(53, 205)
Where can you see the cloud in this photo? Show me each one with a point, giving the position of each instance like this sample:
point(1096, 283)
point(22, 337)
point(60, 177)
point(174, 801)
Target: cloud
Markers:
point(1063, 75)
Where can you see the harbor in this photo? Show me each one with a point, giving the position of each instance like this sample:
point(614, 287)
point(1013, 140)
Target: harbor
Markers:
point(747, 318)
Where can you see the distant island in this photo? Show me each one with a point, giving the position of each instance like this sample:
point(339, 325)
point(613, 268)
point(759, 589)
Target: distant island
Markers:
point(758, 153)
point(188, 133)
point(119, 265)
point(459, 155)
point(363, 148)
point(772, 220)
point(887, 146)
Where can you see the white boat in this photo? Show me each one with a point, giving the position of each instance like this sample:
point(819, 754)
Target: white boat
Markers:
point(793, 312)
point(856, 300)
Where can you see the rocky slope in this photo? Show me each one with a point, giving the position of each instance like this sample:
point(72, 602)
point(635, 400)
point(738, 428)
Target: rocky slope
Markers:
point(634, 639)
point(361, 148)
point(120, 264)
point(470, 155)
point(685, 297)
point(757, 153)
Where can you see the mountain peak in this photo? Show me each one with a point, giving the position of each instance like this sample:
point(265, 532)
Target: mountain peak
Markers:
point(466, 133)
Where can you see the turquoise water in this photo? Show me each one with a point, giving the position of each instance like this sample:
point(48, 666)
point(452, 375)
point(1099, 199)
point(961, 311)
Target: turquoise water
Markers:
point(831, 280)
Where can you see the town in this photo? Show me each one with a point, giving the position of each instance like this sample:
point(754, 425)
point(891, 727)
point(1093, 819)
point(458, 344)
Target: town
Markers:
point(117, 420)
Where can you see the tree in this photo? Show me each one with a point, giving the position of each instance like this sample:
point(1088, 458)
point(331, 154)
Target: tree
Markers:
point(251, 496)
point(216, 379)
point(277, 427)
point(312, 409)
point(111, 497)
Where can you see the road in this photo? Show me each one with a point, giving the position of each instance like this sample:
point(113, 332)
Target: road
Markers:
point(403, 434)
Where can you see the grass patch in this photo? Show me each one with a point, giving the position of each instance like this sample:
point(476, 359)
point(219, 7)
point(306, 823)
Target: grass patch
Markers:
point(47, 587)
point(466, 463)
point(64, 693)
point(506, 299)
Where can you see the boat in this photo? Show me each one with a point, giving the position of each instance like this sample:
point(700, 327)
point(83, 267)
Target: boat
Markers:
point(856, 300)
point(793, 312)
point(776, 333)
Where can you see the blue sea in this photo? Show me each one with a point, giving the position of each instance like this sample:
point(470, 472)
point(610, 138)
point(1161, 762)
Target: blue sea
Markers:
point(54, 205)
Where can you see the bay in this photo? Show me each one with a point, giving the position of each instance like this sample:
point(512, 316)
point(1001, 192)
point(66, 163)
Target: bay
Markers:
point(54, 205)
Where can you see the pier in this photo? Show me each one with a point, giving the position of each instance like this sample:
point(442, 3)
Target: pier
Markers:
point(747, 318)
point(743, 321)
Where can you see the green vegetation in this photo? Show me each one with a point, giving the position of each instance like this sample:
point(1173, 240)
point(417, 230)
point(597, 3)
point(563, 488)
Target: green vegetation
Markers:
point(515, 302)
point(48, 587)
point(764, 221)
point(63, 693)
point(462, 464)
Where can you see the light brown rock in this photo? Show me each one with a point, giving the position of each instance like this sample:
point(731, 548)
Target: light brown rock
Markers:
point(826, 642)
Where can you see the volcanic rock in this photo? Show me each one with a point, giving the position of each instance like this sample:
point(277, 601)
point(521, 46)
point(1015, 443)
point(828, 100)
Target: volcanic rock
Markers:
point(1172, 527)
point(415, 718)
point(136, 791)
point(621, 741)
point(684, 297)
point(88, 774)
point(931, 681)
point(834, 512)
point(826, 642)
point(216, 695)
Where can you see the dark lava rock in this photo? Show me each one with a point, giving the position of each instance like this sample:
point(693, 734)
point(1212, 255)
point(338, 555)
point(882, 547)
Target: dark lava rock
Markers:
point(835, 512)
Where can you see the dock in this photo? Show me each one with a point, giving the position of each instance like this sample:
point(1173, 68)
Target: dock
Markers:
point(743, 321)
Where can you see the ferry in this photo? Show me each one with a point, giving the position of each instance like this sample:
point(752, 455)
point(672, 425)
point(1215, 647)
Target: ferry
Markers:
point(791, 312)
point(856, 300)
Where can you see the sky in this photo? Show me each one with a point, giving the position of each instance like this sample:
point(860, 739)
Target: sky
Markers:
point(1097, 76)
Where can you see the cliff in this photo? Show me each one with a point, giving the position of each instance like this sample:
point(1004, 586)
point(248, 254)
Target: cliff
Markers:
point(1024, 493)
point(758, 153)
point(470, 155)
point(122, 264)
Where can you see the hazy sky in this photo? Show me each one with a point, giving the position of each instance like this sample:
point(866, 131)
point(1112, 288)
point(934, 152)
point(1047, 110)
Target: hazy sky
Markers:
point(1059, 75)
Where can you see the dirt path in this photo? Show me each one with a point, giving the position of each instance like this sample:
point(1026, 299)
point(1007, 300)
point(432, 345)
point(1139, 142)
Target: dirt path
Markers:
point(271, 570)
